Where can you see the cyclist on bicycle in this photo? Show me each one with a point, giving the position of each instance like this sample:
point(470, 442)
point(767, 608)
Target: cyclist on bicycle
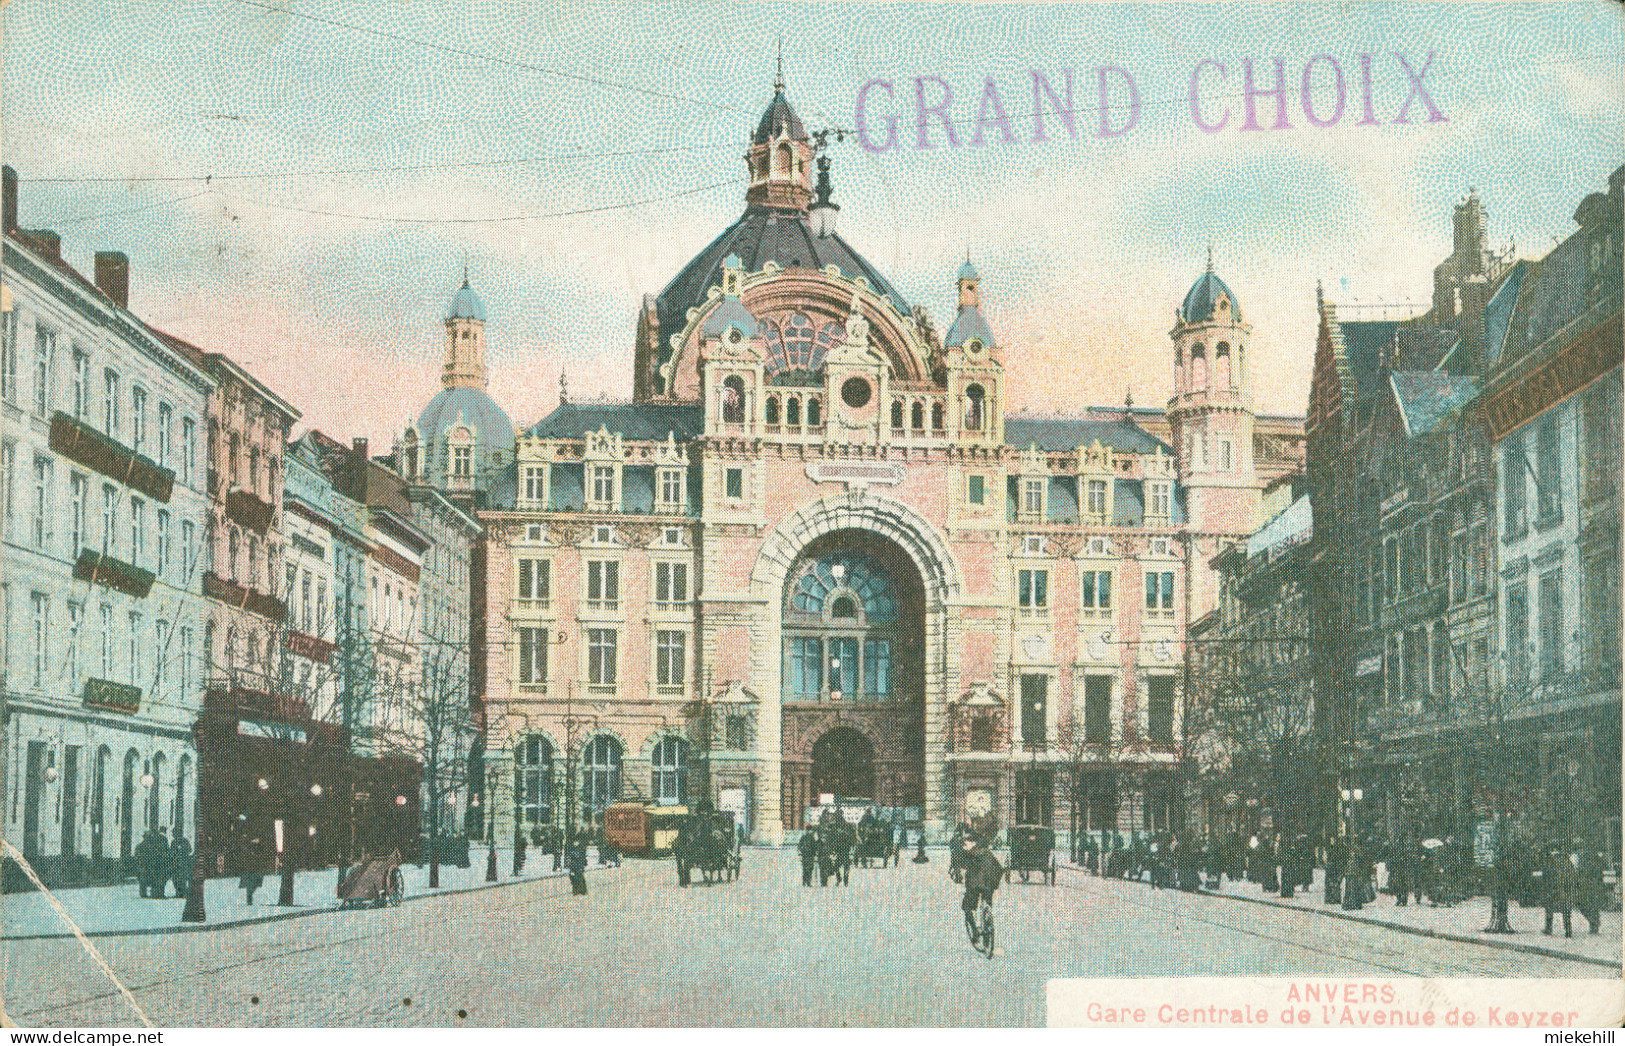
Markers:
point(983, 874)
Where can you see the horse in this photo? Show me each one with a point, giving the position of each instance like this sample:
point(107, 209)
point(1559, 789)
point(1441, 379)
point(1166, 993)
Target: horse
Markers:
point(835, 853)
point(706, 847)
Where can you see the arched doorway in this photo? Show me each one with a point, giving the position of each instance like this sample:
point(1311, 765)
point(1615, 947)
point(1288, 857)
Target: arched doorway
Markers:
point(852, 685)
point(843, 765)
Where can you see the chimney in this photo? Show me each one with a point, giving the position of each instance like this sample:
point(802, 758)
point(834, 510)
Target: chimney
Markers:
point(10, 192)
point(358, 447)
point(113, 276)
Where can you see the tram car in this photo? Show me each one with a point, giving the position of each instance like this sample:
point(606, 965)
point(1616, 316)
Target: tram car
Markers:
point(1032, 849)
point(643, 831)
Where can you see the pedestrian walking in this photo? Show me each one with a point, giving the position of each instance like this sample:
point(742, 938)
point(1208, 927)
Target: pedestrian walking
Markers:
point(807, 849)
point(1504, 868)
point(248, 882)
point(576, 861)
point(1559, 882)
point(1356, 876)
point(1399, 871)
point(143, 864)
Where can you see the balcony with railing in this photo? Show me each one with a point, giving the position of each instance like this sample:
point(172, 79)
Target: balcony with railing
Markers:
point(114, 573)
point(246, 507)
point(78, 441)
point(250, 599)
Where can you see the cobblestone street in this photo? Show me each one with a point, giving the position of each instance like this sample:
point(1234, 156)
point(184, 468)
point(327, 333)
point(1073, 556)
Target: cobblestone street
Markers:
point(638, 950)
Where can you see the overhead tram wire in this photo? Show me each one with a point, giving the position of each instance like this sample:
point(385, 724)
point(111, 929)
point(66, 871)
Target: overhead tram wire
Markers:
point(209, 179)
point(494, 59)
point(501, 219)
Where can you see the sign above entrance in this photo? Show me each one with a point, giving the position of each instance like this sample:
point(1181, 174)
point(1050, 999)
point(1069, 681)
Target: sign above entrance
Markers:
point(859, 473)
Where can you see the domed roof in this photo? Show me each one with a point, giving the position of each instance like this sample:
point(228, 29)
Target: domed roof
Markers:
point(492, 429)
point(466, 305)
point(969, 324)
point(779, 120)
point(729, 314)
point(759, 236)
point(1204, 297)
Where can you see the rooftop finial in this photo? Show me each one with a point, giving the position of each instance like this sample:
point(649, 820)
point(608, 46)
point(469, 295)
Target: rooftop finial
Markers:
point(1210, 257)
point(465, 268)
point(564, 388)
point(778, 81)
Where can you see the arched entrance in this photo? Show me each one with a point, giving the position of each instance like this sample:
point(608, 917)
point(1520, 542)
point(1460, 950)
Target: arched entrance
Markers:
point(843, 765)
point(852, 684)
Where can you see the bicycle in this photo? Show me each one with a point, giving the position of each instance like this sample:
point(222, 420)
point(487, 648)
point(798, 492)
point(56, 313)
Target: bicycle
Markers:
point(979, 927)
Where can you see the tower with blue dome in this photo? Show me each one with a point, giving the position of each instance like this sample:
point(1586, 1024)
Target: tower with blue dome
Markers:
point(1211, 412)
point(462, 441)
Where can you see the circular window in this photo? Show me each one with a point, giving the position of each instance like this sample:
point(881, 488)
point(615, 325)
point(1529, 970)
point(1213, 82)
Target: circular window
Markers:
point(855, 393)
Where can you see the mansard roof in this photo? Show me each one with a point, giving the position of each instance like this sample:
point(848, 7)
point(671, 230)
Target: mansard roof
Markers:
point(1070, 433)
point(635, 421)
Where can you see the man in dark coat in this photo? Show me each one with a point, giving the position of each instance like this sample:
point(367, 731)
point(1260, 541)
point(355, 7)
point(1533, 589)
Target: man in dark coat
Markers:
point(1559, 883)
point(1356, 876)
point(575, 859)
point(1399, 871)
point(807, 849)
point(143, 864)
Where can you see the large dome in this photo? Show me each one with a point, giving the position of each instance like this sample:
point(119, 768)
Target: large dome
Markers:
point(759, 236)
point(492, 428)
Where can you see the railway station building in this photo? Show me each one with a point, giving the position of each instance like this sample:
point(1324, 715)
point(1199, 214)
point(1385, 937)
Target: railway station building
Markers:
point(815, 555)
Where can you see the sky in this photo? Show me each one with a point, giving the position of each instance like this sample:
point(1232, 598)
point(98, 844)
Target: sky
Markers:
point(300, 183)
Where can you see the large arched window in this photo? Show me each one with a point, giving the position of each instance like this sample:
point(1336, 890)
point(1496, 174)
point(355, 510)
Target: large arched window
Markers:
point(669, 778)
point(601, 773)
point(534, 780)
point(840, 629)
point(126, 806)
point(897, 414)
point(814, 415)
point(183, 774)
point(771, 410)
point(98, 799)
point(155, 791)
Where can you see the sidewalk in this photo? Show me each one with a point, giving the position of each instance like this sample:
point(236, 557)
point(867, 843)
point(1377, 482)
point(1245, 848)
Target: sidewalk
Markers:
point(120, 909)
point(1464, 922)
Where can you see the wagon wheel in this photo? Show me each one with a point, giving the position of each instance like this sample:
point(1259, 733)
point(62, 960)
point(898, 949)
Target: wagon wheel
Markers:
point(397, 888)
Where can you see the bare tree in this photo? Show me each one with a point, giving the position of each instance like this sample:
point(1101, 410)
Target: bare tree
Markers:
point(425, 715)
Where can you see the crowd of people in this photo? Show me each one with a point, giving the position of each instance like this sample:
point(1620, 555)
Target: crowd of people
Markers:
point(1559, 877)
point(160, 861)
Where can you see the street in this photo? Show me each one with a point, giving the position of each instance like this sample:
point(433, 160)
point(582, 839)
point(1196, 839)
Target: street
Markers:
point(888, 949)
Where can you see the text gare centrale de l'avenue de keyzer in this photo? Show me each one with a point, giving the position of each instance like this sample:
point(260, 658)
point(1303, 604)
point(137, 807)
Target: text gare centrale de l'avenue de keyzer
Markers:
point(919, 112)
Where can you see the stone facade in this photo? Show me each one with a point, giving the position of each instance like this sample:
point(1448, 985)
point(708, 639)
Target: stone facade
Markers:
point(102, 516)
point(817, 556)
